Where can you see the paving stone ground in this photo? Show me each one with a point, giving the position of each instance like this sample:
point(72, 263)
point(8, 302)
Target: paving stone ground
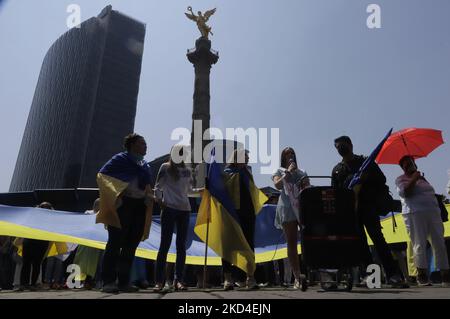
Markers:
point(315, 292)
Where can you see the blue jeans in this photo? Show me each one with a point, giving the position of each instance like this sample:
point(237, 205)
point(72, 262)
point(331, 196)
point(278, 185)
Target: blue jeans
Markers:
point(169, 218)
point(139, 270)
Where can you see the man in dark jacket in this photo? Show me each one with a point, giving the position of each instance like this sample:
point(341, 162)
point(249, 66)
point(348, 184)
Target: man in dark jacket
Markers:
point(372, 181)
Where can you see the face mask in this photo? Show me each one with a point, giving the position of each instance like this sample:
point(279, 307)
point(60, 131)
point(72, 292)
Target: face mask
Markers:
point(343, 150)
point(137, 156)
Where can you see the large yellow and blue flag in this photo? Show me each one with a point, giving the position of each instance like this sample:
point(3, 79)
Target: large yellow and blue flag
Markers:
point(79, 228)
point(112, 179)
point(218, 212)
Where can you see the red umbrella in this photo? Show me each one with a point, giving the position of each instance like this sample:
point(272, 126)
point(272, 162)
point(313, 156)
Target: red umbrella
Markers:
point(416, 142)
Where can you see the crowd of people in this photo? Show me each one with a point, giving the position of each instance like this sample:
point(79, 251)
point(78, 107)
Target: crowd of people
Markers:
point(25, 262)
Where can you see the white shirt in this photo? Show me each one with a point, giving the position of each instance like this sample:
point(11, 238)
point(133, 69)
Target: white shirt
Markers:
point(174, 193)
point(422, 198)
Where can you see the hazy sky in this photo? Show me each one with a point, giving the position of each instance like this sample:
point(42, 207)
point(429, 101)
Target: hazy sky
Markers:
point(309, 67)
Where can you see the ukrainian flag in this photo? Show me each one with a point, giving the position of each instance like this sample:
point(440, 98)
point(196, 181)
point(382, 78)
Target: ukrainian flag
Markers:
point(113, 178)
point(218, 210)
point(369, 161)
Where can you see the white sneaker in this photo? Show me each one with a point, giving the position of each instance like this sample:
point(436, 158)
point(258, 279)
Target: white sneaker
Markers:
point(297, 284)
point(445, 284)
point(252, 284)
point(423, 283)
point(228, 285)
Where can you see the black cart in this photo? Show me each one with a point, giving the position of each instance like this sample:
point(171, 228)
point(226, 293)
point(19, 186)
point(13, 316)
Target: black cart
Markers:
point(330, 235)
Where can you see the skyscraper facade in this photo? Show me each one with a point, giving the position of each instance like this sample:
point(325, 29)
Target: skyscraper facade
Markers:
point(84, 104)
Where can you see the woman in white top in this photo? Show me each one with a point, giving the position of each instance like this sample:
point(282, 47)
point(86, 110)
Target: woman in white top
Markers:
point(423, 220)
point(173, 184)
point(288, 180)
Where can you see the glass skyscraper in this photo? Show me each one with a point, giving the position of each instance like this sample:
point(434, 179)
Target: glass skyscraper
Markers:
point(84, 104)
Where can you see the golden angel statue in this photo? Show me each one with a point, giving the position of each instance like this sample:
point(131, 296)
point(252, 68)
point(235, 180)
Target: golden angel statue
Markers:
point(201, 20)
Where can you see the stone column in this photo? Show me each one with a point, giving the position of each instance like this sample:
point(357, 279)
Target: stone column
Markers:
point(202, 57)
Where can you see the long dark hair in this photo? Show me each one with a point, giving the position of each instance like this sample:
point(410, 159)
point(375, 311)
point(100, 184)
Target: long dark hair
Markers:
point(284, 159)
point(130, 139)
point(173, 167)
point(233, 162)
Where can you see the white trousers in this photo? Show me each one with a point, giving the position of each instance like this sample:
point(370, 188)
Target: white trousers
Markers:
point(423, 227)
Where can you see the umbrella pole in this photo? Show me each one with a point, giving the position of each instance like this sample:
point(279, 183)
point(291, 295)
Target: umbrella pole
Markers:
point(407, 149)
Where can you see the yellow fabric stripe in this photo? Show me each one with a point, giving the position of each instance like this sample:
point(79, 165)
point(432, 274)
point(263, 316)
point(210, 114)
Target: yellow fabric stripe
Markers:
point(225, 235)
point(14, 230)
point(60, 246)
point(401, 234)
point(258, 197)
point(110, 189)
point(54, 248)
point(232, 185)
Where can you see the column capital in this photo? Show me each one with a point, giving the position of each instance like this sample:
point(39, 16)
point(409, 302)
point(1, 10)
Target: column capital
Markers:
point(202, 53)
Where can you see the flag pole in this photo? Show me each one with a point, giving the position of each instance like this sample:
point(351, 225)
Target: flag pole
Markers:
point(208, 216)
point(206, 251)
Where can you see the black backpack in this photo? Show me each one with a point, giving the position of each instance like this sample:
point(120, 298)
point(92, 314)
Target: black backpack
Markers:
point(384, 202)
point(444, 212)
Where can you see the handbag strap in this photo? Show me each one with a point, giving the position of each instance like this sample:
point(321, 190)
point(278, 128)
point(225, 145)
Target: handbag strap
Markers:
point(394, 222)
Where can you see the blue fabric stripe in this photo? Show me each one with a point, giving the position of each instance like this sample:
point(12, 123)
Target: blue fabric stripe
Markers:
point(216, 187)
point(355, 180)
point(123, 167)
point(267, 237)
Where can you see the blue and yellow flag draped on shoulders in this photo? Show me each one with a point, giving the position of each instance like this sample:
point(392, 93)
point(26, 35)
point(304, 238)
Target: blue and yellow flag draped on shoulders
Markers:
point(218, 212)
point(112, 179)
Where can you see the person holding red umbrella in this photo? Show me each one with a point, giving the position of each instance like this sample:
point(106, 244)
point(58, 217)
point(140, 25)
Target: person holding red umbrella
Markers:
point(422, 217)
point(421, 210)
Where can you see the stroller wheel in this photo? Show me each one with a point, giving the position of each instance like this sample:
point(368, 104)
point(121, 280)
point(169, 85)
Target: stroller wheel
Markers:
point(327, 282)
point(329, 286)
point(349, 282)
